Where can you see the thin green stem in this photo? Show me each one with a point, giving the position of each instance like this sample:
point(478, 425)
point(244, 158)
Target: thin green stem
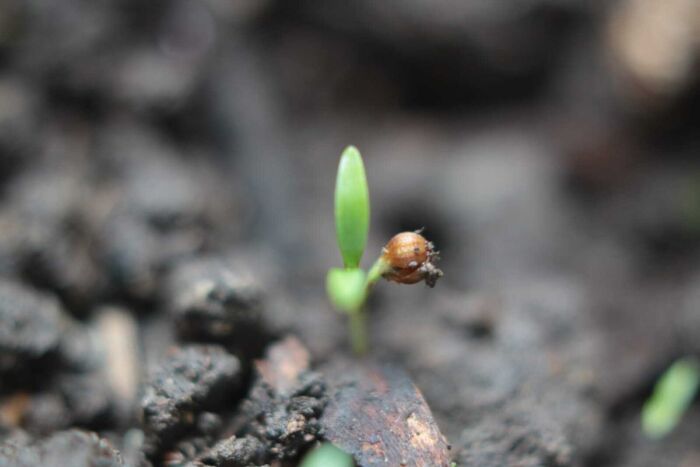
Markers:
point(358, 317)
point(358, 331)
point(375, 274)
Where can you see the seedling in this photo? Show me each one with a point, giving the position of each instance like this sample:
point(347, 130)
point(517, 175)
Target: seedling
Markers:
point(327, 455)
point(673, 394)
point(407, 258)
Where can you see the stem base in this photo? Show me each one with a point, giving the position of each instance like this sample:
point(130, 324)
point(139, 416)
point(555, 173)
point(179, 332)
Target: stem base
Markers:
point(358, 331)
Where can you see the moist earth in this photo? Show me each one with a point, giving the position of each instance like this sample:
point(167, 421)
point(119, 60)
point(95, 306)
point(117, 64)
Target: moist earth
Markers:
point(166, 223)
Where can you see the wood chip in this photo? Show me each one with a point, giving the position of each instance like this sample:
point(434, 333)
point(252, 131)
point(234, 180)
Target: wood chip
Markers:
point(379, 416)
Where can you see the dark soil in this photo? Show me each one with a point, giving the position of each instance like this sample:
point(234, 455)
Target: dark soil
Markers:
point(166, 223)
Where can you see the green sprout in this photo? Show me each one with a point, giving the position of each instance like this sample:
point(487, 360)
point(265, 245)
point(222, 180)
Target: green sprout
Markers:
point(673, 394)
point(327, 455)
point(407, 258)
point(351, 207)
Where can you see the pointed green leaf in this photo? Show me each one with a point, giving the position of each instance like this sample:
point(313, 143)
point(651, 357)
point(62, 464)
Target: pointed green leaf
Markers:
point(672, 396)
point(351, 207)
point(346, 288)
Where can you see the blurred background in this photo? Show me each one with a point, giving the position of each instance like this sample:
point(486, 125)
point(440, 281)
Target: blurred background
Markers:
point(549, 147)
